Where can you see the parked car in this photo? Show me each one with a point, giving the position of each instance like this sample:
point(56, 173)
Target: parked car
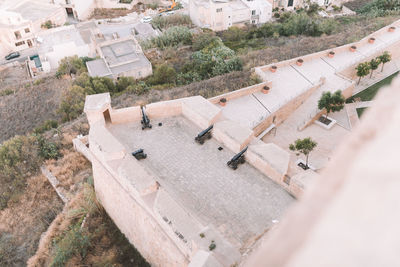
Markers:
point(12, 55)
point(146, 19)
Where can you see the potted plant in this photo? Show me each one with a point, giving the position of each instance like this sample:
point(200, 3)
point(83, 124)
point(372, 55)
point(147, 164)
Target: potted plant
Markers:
point(331, 54)
point(222, 101)
point(353, 48)
point(299, 62)
point(391, 29)
point(273, 68)
point(371, 40)
point(265, 90)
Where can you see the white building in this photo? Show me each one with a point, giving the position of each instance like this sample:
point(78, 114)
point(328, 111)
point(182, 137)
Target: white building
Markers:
point(21, 21)
point(219, 15)
point(57, 43)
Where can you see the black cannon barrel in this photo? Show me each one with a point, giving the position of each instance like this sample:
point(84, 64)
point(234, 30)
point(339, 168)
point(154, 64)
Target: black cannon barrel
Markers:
point(202, 133)
point(238, 155)
point(137, 152)
point(144, 116)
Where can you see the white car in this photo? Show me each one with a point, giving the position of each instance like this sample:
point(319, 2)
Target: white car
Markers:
point(146, 19)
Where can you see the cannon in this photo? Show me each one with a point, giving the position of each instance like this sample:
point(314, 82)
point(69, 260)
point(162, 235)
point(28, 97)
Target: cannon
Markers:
point(145, 120)
point(203, 135)
point(237, 159)
point(139, 154)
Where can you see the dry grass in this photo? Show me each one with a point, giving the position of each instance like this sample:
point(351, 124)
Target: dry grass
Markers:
point(28, 218)
point(70, 170)
point(30, 106)
point(109, 13)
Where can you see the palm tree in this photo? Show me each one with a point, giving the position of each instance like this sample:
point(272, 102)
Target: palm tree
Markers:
point(384, 58)
point(362, 70)
point(374, 64)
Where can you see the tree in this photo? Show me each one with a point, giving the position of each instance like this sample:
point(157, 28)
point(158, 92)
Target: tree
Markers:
point(385, 58)
point(164, 74)
point(362, 70)
point(331, 102)
point(374, 64)
point(304, 146)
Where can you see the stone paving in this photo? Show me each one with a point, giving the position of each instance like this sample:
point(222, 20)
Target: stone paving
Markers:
point(241, 204)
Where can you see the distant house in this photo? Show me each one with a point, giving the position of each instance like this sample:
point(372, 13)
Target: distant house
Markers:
point(120, 57)
point(20, 21)
point(220, 15)
point(57, 43)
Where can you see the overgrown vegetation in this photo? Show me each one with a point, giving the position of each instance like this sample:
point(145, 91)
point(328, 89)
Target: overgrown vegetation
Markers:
point(20, 157)
point(165, 22)
point(173, 36)
point(45, 126)
point(380, 8)
point(8, 250)
point(288, 24)
point(89, 231)
point(72, 65)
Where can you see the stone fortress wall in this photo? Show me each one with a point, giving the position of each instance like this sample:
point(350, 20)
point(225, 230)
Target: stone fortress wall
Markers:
point(143, 210)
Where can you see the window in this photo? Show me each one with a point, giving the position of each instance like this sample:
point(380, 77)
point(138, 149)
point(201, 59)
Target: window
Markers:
point(253, 12)
point(27, 30)
point(20, 43)
point(219, 10)
point(290, 3)
point(253, 22)
point(17, 35)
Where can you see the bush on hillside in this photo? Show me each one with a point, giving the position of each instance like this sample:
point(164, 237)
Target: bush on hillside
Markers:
point(165, 22)
point(71, 65)
point(173, 36)
point(19, 159)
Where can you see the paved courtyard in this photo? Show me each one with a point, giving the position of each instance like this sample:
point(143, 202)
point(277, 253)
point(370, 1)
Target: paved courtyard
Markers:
point(327, 140)
point(241, 204)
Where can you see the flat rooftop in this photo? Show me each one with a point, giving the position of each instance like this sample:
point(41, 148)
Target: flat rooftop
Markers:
point(34, 10)
point(242, 204)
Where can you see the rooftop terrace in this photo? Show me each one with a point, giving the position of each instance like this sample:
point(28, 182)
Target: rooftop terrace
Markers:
point(241, 204)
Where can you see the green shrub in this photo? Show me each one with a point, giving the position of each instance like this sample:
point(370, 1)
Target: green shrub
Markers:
point(380, 8)
point(75, 241)
point(163, 74)
point(45, 126)
point(164, 22)
point(138, 88)
point(200, 41)
point(38, 81)
point(19, 159)
point(72, 103)
point(71, 65)
point(6, 92)
point(173, 36)
point(47, 149)
point(123, 83)
point(48, 24)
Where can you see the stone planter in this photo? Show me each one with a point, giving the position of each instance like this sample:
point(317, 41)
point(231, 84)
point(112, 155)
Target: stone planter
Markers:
point(299, 62)
point(222, 101)
point(331, 54)
point(371, 40)
point(265, 90)
point(273, 68)
point(326, 123)
point(392, 29)
point(353, 48)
